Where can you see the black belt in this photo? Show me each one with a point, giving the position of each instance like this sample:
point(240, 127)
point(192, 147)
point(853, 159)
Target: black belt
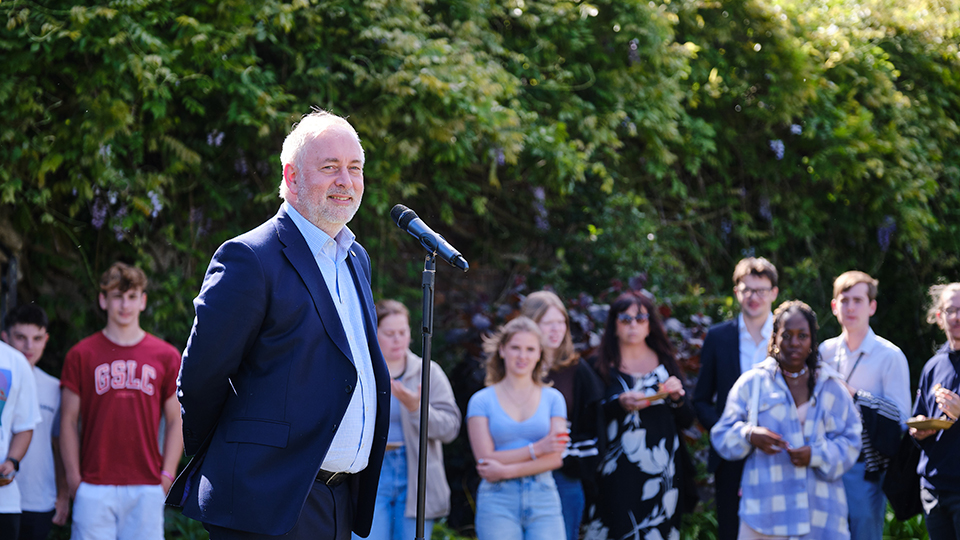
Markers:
point(332, 479)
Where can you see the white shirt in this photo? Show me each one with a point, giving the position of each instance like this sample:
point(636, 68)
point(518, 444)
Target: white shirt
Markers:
point(350, 449)
point(882, 370)
point(37, 479)
point(752, 353)
point(20, 412)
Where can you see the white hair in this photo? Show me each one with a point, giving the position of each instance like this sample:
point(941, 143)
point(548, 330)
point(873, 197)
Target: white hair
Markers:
point(938, 294)
point(308, 128)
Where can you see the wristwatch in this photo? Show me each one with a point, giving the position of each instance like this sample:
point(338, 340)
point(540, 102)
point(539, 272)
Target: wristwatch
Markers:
point(16, 463)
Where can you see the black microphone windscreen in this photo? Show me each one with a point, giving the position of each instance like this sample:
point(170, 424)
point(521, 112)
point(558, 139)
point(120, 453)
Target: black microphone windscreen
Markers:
point(397, 211)
point(403, 216)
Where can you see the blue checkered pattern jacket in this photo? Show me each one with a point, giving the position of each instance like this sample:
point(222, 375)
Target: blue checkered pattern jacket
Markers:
point(779, 498)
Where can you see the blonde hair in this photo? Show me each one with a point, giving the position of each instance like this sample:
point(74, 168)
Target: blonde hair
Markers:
point(496, 370)
point(535, 306)
point(847, 280)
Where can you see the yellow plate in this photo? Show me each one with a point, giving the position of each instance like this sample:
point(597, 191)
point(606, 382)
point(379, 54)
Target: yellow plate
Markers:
point(930, 423)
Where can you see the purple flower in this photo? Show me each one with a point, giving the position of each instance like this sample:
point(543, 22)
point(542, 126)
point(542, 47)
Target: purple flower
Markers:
point(796, 129)
point(765, 212)
point(240, 165)
point(156, 204)
point(215, 138)
point(885, 232)
point(98, 213)
point(777, 146)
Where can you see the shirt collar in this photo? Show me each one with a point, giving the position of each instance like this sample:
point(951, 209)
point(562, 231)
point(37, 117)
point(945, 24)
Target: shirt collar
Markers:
point(318, 241)
point(866, 346)
point(765, 330)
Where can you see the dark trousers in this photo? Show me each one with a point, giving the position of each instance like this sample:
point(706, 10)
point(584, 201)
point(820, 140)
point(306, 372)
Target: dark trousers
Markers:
point(35, 525)
point(327, 514)
point(942, 509)
point(9, 525)
point(727, 485)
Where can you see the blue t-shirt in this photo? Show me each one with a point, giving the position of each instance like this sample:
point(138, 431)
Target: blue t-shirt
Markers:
point(507, 433)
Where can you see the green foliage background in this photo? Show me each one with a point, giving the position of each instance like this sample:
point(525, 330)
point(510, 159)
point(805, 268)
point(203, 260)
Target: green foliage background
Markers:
point(572, 143)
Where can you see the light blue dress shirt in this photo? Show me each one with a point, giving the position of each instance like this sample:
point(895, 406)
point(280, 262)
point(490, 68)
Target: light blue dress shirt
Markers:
point(350, 449)
point(751, 352)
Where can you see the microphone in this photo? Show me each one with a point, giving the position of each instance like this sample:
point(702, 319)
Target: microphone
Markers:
point(408, 220)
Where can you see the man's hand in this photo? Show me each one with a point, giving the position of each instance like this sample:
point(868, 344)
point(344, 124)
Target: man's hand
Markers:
point(800, 457)
point(767, 441)
point(61, 510)
point(410, 400)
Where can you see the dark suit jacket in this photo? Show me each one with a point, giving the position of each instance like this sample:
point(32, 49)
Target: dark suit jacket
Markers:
point(266, 377)
point(719, 369)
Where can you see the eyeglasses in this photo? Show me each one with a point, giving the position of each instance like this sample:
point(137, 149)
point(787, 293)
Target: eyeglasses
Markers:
point(626, 318)
point(951, 312)
point(747, 292)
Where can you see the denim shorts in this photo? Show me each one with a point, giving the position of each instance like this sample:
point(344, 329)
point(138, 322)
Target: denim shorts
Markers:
point(525, 508)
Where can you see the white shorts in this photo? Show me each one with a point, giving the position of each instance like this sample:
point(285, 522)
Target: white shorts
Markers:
point(121, 512)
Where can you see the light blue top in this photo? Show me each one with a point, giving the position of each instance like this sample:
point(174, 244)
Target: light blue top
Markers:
point(350, 449)
point(507, 433)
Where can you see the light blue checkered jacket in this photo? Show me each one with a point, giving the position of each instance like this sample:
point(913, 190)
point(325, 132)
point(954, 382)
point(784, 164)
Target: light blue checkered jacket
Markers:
point(779, 498)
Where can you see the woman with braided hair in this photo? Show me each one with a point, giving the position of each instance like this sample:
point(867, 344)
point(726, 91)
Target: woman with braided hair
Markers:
point(794, 421)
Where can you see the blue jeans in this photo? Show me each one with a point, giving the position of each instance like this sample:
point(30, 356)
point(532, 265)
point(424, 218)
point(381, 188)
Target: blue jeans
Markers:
point(525, 508)
point(389, 523)
point(942, 509)
point(572, 502)
point(865, 503)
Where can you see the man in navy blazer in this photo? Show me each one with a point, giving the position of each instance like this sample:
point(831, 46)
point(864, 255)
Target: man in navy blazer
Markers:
point(731, 348)
point(283, 390)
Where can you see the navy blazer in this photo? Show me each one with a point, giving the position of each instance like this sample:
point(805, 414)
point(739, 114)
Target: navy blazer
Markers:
point(719, 369)
point(266, 377)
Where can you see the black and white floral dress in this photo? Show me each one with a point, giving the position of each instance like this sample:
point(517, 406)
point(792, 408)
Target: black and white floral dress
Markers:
point(639, 486)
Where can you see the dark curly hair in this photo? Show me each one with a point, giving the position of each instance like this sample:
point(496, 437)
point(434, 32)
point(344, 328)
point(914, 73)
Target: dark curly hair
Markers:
point(780, 315)
point(609, 356)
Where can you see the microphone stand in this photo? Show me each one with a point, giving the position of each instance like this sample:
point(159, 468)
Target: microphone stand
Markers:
point(429, 279)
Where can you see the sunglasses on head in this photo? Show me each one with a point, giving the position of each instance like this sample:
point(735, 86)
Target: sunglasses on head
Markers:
point(626, 318)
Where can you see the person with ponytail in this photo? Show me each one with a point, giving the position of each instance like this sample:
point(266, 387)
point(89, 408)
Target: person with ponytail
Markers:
point(581, 389)
point(794, 421)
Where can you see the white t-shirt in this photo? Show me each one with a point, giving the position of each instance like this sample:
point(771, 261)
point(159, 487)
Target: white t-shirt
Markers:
point(37, 479)
point(19, 411)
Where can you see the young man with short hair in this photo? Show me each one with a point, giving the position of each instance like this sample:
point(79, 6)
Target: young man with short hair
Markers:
point(937, 396)
point(117, 384)
point(43, 487)
point(730, 349)
point(19, 415)
point(878, 378)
